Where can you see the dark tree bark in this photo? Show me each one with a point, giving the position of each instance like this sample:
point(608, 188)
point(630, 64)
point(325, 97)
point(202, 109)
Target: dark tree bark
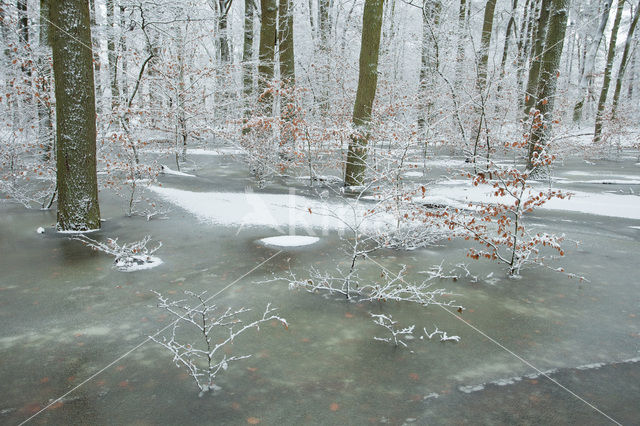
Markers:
point(367, 84)
point(485, 42)
point(112, 55)
point(45, 111)
point(548, 80)
point(266, 54)
point(78, 208)
point(624, 61)
point(285, 42)
point(462, 19)
point(597, 133)
point(537, 57)
point(247, 56)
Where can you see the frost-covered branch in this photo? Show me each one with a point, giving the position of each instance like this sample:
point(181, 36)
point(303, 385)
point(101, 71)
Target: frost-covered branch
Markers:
point(218, 328)
point(129, 257)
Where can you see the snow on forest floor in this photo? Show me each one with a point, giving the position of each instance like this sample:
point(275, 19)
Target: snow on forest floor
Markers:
point(282, 210)
point(277, 211)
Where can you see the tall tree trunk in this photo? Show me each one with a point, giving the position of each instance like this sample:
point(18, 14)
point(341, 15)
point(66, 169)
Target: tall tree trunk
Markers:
point(548, 80)
point(485, 42)
point(527, 32)
point(324, 19)
point(112, 55)
point(634, 70)
point(223, 32)
point(23, 32)
point(611, 54)
point(324, 28)
point(285, 42)
point(78, 208)
point(93, 10)
point(590, 61)
point(266, 54)
point(538, 52)
point(311, 20)
point(287, 69)
point(23, 22)
point(45, 127)
point(428, 66)
point(365, 95)
point(624, 61)
point(247, 57)
point(181, 109)
point(462, 28)
point(507, 37)
point(124, 91)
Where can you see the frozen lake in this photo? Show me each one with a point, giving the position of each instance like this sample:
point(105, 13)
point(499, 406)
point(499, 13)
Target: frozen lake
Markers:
point(72, 323)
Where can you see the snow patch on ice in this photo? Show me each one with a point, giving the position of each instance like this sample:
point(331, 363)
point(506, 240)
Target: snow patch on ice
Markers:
point(290, 241)
point(198, 151)
point(279, 211)
point(218, 151)
point(601, 204)
point(591, 366)
point(470, 389)
point(147, 262)
point(167, 171)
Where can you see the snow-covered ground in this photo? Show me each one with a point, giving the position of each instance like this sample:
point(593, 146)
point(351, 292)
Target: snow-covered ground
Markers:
point(283, 211)
point(279, 211)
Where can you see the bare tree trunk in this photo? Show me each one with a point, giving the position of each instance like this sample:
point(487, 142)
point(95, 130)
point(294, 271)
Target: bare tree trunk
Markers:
point(507, 37)
point(524, 43)
point(112, 56)
point(266, 54)
point(285, 42)
point(538, 53)
point(590, 61)
point(287, 69)
point(623, 62)
point(324, 27)
point(45, 113)
point(367, 84)
point(78, 208)
point(548, 80)
point(428, 67)
point(223, 35)
point(634, 70)
point(607, 73)
point(311, 21)
point(181, 116)
point(462, 28)
point(485, 42)
point(93, 10)
point(247, 57)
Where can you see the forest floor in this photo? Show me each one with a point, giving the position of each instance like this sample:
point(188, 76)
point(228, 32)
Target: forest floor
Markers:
point(540, 349)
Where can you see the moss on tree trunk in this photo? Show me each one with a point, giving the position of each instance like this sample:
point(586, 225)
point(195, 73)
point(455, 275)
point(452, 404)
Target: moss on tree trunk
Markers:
point(367, 83)
point(78, 208)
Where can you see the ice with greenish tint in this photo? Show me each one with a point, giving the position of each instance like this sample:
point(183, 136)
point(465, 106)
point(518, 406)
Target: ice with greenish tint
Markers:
point(66, 314)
